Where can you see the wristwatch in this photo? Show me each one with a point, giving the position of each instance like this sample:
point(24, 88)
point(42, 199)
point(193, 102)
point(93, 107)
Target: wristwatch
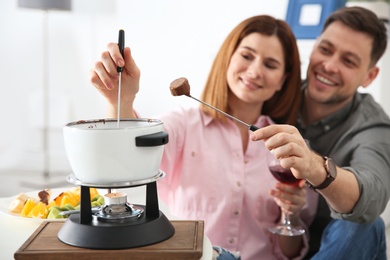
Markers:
point(331, 173)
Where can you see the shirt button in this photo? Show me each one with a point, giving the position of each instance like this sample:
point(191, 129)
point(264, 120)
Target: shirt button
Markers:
point(246, 161)
point(231, 241)
point(239, 184)
point(236, 212)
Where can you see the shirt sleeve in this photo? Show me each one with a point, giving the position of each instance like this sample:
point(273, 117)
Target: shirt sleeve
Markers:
point(171, 163)
point(370, 163)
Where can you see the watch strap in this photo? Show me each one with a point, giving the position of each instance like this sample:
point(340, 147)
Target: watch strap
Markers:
point(328, 180)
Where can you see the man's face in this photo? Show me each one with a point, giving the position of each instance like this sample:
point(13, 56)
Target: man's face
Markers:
point(339, 64)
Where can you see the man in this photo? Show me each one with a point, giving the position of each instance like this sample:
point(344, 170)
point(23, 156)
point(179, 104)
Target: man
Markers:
point(349, 135)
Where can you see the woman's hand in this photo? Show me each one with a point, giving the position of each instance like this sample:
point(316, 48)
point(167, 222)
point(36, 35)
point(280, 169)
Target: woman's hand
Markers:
point(104, 77)
point(290, 198)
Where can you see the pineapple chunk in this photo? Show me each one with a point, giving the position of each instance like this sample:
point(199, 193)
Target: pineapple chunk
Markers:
point(39, 211)
point(30, 204)
point(69, 200)
point(93, 192)
point(51, 204)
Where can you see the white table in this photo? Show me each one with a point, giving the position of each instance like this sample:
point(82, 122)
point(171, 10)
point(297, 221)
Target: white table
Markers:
point(16, 230)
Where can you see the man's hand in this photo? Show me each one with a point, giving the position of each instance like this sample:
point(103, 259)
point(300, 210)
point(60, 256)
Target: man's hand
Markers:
point(289, 146)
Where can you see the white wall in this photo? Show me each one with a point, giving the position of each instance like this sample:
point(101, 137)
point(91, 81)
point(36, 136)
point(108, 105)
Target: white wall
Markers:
point(169, 39)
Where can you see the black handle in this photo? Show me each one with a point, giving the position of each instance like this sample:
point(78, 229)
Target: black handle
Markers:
point(253, 128)
point(121, 45)
point(156, 139)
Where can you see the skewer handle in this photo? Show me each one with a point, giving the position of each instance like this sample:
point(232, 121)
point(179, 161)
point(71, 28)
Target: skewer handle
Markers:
point(121, 45)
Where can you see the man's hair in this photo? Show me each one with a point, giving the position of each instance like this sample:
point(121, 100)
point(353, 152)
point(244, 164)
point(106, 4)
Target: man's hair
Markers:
point(365, 21)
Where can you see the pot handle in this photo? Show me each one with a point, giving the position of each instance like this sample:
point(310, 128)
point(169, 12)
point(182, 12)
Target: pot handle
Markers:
point(156, 139)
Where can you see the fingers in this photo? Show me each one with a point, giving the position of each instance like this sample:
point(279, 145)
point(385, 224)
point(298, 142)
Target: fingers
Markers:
point(288, 145)
point(104, 74)
point(279, 136)
point(290, 198)
point(288, 206)
point(131, 67)
point(266, 132)
point(113, 59)
point(302, 184)
point(101, 78)
point(115, 55)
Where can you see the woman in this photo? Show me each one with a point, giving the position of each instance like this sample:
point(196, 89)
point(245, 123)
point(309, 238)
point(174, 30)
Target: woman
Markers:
point(213, 171)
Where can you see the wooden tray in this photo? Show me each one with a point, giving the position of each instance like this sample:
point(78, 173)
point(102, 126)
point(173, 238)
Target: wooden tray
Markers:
point(43, 244)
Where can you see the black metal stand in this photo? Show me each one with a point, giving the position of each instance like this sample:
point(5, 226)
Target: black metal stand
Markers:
point(81, 230)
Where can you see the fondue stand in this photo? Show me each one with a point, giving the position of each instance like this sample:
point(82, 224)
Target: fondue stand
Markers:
point(117, 224)
point(21, 239)
point(106, 155)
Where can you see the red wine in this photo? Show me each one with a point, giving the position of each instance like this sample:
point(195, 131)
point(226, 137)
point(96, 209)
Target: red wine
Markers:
point(283, 175)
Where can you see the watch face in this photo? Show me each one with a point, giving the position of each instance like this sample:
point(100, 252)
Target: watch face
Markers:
point(331, 167)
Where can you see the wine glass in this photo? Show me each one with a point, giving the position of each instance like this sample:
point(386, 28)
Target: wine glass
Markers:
point(285, 176)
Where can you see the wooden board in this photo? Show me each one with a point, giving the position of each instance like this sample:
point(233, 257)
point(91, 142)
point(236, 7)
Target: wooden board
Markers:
point(43, 244)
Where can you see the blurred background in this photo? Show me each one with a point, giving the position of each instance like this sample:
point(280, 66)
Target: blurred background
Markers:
point(45, 58)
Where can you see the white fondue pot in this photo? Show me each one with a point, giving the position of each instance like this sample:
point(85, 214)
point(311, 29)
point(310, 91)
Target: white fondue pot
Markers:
point(103, 151)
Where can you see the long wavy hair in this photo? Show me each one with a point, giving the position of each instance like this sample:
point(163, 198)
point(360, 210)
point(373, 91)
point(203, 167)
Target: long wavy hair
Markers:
point(283, 107)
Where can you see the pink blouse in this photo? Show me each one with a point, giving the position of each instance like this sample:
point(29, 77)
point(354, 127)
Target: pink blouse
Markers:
point(210, 178)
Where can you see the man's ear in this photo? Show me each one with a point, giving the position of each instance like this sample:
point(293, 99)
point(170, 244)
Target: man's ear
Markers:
point(371, 75)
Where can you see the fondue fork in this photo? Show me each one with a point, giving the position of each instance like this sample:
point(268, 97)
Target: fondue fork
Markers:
point(251, 127)
point(75, 211)
point(121, 45)
point(181, 87)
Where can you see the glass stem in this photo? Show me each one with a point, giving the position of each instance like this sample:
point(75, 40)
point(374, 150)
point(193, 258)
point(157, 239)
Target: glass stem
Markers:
point(285, 218)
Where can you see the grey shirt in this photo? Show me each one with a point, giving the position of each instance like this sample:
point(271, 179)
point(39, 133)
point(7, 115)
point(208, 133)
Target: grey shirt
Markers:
point(357, 138)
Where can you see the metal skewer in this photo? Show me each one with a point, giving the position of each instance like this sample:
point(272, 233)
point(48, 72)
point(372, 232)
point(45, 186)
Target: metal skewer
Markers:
point(251, 127)
point(181, 87)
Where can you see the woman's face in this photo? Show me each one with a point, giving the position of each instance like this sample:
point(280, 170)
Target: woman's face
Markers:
point(256, 68)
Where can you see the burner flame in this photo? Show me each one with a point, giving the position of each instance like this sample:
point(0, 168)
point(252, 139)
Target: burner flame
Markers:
point(117, 209)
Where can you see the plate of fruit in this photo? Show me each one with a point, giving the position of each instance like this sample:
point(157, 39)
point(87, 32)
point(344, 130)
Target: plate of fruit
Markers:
point(47, 204)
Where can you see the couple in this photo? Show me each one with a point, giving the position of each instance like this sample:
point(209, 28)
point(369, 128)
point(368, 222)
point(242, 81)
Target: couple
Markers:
point(256, 78)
